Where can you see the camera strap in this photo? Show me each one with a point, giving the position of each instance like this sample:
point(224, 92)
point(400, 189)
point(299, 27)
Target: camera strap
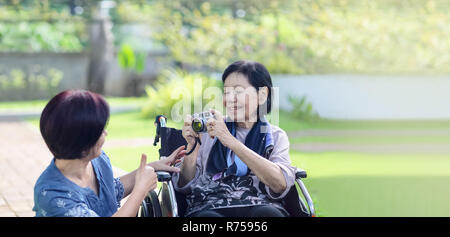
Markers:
point(197, 140)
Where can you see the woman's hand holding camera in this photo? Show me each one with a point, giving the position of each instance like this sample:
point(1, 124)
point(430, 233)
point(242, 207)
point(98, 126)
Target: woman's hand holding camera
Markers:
point(188, 168)
point(216, 127)
point(188, 133)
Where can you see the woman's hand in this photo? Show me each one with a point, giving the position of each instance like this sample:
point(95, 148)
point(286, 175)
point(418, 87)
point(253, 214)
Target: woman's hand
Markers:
point(188, 133)
point(188, 168)
point(165, 163)
point(217, 128)
point(145, 179)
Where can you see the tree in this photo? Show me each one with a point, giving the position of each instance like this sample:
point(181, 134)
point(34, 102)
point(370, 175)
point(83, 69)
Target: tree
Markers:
point(101, 50)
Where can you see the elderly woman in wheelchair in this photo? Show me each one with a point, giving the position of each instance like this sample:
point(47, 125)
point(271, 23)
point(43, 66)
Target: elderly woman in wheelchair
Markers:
point(242, 167)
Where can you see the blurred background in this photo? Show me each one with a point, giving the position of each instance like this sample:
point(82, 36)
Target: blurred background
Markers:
point(363, 87)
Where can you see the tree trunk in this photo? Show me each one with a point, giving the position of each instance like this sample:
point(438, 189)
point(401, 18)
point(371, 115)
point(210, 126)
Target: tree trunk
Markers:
point(101, 53)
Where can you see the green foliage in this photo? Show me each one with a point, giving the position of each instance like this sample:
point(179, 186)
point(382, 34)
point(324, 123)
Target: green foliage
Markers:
point(41, 36)
point(37, 26)
point(126, 56)
point(308, 37)
point(30, 10)
point(17, 84)
point(177, 93)
point(288, 36)
point(302, 109)
point(128, 59)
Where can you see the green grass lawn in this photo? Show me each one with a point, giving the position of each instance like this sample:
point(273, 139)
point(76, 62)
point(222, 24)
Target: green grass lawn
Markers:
point(22, 105)
point(289, 123)
point(128, 158)
point(341, 184)
point(130, 125)
point(354, 184)
point(401, 139)
point(40, 104)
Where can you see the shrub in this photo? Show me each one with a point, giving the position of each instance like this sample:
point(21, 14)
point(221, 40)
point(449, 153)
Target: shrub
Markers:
point(130, 60)
point(302, 109)
point(17, 84)
point(176, 93)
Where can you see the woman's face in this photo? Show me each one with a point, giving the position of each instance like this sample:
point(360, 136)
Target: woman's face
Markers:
point(241, 99)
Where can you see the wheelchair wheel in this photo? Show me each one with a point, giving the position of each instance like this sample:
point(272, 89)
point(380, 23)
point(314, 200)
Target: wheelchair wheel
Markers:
point(150, 206)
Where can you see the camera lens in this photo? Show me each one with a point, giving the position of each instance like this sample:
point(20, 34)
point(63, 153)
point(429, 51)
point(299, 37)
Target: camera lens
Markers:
point(197, 125)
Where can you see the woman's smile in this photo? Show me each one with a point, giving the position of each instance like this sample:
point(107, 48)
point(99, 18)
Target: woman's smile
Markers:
point(235, 107)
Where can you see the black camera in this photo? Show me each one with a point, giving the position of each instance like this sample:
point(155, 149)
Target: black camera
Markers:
point(199, 121)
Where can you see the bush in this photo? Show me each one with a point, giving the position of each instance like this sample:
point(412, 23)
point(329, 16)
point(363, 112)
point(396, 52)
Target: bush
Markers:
point(17, 84)
point(302, 109)
point(177, 93)
point(129, 60)
point(42, 37)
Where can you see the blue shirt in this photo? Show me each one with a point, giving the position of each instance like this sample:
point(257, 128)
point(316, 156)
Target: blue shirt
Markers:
point(55, 195)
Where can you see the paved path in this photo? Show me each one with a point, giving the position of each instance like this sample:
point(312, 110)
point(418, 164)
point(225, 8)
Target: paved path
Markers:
point(23, 157)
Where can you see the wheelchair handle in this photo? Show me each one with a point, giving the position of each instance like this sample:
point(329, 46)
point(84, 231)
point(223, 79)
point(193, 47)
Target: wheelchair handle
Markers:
point(160, 121)
point(163, 176)
point(300, 174)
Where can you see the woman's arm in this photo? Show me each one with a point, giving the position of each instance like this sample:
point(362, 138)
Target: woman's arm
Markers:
point(131, 206)
point(128, 181)
point(188, 168)
point(268, 172)
point(145, 178)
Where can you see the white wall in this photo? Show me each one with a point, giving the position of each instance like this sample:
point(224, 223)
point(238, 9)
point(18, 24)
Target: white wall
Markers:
point(369, 97)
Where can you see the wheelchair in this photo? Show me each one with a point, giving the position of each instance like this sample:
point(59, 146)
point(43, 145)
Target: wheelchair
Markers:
point(166, 202)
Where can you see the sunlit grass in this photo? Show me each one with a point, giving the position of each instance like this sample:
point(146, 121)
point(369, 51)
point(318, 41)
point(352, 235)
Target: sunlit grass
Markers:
point(40, 104)
point(357, 184)
point(401, 139)
point(345, 163)
point(23, 105)
point(128, 158)
point(289, 123)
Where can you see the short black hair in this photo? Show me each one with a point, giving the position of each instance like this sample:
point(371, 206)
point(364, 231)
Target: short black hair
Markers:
point(257, 75)
point(72, 122)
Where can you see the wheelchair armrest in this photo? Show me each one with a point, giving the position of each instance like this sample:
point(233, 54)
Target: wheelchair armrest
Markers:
point(163, 176)
point(300, 173)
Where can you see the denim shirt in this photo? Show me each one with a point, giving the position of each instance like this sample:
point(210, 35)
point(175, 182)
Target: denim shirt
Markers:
point(55, 195)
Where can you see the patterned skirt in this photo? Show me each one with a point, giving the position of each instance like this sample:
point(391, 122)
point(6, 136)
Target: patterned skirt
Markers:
point(228, 192)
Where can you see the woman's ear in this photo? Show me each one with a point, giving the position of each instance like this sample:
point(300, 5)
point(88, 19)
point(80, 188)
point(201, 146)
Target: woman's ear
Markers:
point(263, 92)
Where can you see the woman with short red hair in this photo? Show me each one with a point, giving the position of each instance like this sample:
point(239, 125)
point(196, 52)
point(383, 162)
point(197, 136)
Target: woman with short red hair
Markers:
point(79, 180)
